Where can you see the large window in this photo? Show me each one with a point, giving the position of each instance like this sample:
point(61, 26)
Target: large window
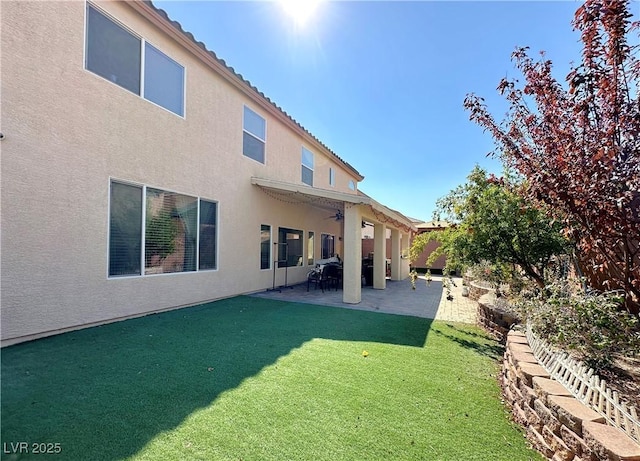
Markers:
point(328, 246)
point(253, 135)
point(265, 246)
point(289, 247)
point(116, 54)
point(307, 166)
point(180, 231)
point(311, 251)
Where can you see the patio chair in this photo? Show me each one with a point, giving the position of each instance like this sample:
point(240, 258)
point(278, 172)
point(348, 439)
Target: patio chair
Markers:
point(324, 277)
point(332, 276)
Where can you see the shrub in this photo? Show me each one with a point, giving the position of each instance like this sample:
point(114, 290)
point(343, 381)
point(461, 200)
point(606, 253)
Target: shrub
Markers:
point(592, 326)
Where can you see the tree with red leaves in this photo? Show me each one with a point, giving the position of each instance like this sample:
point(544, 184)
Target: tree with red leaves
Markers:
point(579, 147)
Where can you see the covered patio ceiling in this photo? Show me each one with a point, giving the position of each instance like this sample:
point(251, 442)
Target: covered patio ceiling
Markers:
point(333, 201)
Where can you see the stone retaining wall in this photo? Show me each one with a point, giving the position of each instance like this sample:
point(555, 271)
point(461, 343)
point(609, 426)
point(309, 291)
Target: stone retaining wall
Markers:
point(493, 319)
point(476, 290)
point(558, 425)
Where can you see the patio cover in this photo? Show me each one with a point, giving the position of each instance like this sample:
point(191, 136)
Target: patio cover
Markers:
point(333, 200)
point(355, 208)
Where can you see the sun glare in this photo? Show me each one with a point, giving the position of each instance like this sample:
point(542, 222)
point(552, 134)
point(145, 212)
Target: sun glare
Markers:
point(301, 11)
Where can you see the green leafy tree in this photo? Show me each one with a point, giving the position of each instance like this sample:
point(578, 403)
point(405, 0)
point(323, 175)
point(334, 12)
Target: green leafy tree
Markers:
point(492, 222)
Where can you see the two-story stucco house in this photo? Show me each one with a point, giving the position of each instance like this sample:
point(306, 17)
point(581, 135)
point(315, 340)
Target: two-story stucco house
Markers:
point(139, 173)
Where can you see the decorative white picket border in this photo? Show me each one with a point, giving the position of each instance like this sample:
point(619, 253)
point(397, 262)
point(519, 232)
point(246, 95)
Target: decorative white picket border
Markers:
point(586, 386)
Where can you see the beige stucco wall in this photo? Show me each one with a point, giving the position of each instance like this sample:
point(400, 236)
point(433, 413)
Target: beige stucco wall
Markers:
point(68, 131)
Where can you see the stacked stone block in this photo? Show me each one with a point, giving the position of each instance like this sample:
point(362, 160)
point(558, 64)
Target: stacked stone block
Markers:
point(493, 319)
point(476, 290)
point(557, 424)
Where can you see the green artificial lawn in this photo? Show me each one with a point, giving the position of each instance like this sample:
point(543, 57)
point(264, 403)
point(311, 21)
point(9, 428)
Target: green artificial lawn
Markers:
point(255, 379)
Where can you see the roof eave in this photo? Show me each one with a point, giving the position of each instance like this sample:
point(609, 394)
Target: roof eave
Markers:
point(174, 29)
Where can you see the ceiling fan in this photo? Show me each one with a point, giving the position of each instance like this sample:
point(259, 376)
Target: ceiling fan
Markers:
point(338, 216)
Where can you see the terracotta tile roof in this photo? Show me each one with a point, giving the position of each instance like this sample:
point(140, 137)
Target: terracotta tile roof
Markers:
point(177, 26)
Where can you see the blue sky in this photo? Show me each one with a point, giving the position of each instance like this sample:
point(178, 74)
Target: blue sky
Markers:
point(382, 83)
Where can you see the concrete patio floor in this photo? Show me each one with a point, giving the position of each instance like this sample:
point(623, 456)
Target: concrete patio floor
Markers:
point(428, 301)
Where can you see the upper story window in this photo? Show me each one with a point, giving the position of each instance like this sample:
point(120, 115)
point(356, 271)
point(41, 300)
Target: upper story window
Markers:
point(163, 80)
point(332, 177)
point(253, 135)
point(352, 184)
point(307, 166)
point(129, 61)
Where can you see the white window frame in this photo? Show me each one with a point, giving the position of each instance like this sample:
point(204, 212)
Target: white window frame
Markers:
point(144, 188)
point(143, 43)
point(311, 250)
point(270, 247)
point(332, 177)
point(142, 84)
point(287, 251)
point(254, 135)
point(305, 165)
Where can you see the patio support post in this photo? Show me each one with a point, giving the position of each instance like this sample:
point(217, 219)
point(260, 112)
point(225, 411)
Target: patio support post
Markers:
point(379, 256)
point(352, 260)
point(404, 249)
point(395, 255)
